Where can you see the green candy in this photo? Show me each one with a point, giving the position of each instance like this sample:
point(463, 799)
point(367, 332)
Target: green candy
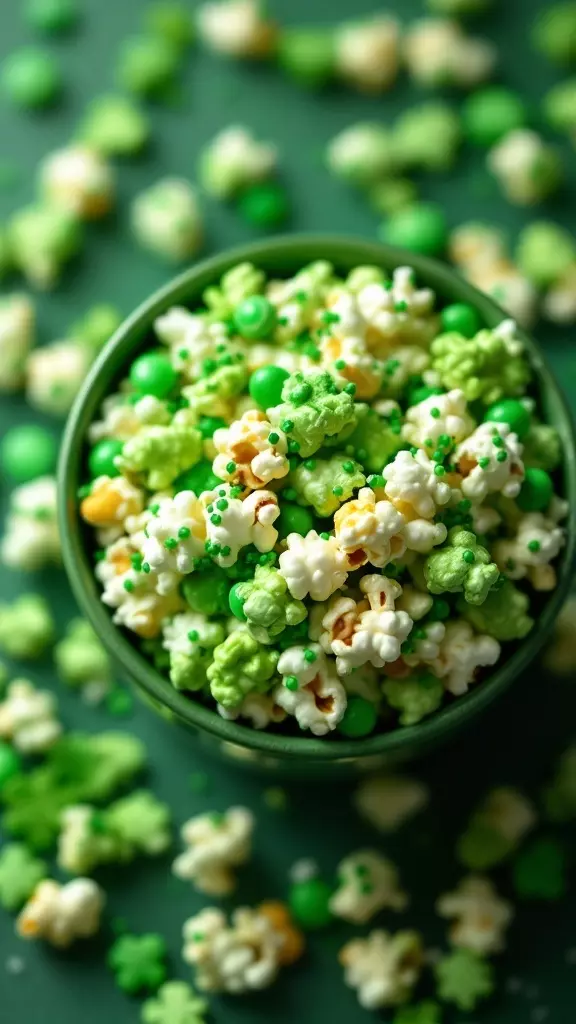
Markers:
point(101, 459)
point(489, 114)
point(309, 903)
point(10, 763)
point(421, 228)
point(536, 491)
point(359, 719)
point(539, 871)
point(265, 385)
point(264, 205)
point(560, 106)
point(153, 374)
point(512, 412)
point(207, 592)
point(31, 78)
point(554, 32)
point(307, 55)
point(208, 425)
point(236, 602)
point(114, 126)
point(255, 318)
point(172, 21)
point(544, 252)
point(199, 478)
point(294, 519)
point(147, 66)
point(51, 17)
point(462, 318)
point(542, 447)
point(27, 452)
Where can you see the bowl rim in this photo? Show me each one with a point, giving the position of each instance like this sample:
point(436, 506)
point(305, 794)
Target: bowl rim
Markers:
point(272, 254)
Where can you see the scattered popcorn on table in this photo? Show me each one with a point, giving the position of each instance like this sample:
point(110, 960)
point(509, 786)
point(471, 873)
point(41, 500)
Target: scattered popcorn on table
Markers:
point(367, 53)
point(82, 662)
point(367, 883)
point(61, 914)
point(166, 220)
point(135, 825)
point(233, 160)
point(383, 968)
point(79, 181)
point(526, 167)
point(427, 137)
point(26, 627)
point(480, 916)
point(386, 802)
point(496, 829)
point(28, 717)
point(236, 28)
point(361, 154)
point(54, 374)
point(43, 238)
point(114, 126)
point(464, 979)
point(17, 335)
point(31, 538)
point(216, 843)
point(438, 52)
point(20, 873)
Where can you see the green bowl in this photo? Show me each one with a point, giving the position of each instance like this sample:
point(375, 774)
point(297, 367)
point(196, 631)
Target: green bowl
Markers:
point(296, 755)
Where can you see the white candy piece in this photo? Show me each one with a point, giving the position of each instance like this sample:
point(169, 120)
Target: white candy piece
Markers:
point(413, 487)
point(312, 566)
point(383, 968)
point(31, 539)
point(246, 443)
point(437, 415)
point(54, 374)
point(438, 52)
point(215, 845)
point(60, 914)
point(388, 801)
point(399, 315)
point(367, 530)
point(367, 883)
point(480, 916)
point(17, 335)
point(181, 520)
point(234, 160)
point(28, 718)
point(461, 653)
point(242, 522)
point(166, 219)
point(311, 692)
point(241, 957)
point(537, 542)
point(259, 708)
point(235, 28)
point(367, 53)
point(523, 164)
point(77, 179)
point(483, 477)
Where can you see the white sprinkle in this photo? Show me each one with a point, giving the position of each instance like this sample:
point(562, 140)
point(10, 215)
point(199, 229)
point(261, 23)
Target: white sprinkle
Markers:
point(514, 985)
point(539, 1014)
point(303, 870)
point(14, 965)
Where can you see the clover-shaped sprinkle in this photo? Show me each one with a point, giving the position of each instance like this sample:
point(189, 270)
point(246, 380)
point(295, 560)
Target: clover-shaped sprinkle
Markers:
point(138, 962)
point(464, 978)
point(175, 1003)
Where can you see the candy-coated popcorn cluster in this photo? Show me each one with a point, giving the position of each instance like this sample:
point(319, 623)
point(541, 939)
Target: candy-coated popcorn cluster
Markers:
point(327, 500)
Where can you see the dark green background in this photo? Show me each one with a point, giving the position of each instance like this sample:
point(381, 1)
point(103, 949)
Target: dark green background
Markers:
point(516, 743)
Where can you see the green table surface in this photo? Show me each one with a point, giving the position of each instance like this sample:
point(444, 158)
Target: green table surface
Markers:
point(516, 743)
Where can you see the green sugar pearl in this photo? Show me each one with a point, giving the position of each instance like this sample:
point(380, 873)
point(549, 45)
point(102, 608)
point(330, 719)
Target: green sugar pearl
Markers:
point(359, 719)
point(420, 227)
point(31, 78)
point(236, 603)
point(536, 491)
point(101, 458)
point(265, 385)
point(264, 205)
point(512, 412)
point(153, 374)
point(309, 903)
point(255, 318)
point(10, 764)
point(294, 519)
point(27, 452)
point(489, 114)
point(461, 318)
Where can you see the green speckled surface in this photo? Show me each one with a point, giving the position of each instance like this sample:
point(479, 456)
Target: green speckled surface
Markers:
point(516, 743)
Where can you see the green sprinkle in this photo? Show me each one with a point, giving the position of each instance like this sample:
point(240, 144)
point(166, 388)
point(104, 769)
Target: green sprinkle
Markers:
point(226, 550)
point(484, 462)
point(231, 467)
point(184, 532)
point(287, 426)
point(497, 441)
point(171, 543)
point(340, 364)
point(533, 545)
point(291, 683)
point(155, 508)
point(337, 491)
point(469, 556)
point(145, 567)
point(222, 504)
point(309, 656)
point(350, 388)
point(501, 456)
point(376, 480)
point(348, 467)
point(435, 413)
point(273, 438)
point(193, 635)
point(129, 586)
point(325, 536)
point(290, 494)
point(293, 447)
point(310, 464)
point(439, 470)
point(216, 519)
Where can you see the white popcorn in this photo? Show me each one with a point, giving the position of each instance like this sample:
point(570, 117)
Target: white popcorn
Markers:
point(398, 315)
point(244, 956)
point(462, 652)
point(60, 914)
point(247, 444)
point(507, 812)
point(383, 968)
point(17, 335)
point(235, 28)
point(526, 167)
point(426, 647)
point(122, 419)
point(31, 539)
point(80, 846)
point(139, 607)
point(560, 653)
point(302, 663)
point(367, 53)
point(319, 703)
point(480, 916)
point(361, 368)
point(111, 501)
point(508, 287)
point(421, 535)
point(484, 469)
point(191, 338)
point(166, 219)
point(559, 304)
point(371, 631)
point(313, 566)
point(54, 374)
point(367, 530)
point(388, 801)
point(176, 633)
point(175, 537)
point(259, 708)
point(234, 160)
point(537, 542)
point(215, 845)
point(367, 883)
point(77, 179)
point(361, 153)
point(415, 602)
point(437, 415)
point(413, 487)
point(241, 523)
point(28, 718)
point(438, 52)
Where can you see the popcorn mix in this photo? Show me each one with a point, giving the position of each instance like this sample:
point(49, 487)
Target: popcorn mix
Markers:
point(79, 181)
point(438, 52)
point(480, 916)
point(215, 845)
point(367, 883)
point(61, 914)
point(326, 500)
point(28, 717)
point(31, 538)
point(383, 968)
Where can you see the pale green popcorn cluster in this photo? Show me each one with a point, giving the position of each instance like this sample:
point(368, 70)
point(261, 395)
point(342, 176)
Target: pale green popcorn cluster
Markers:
point(26, 627)
point(326, 483)
point(483, 367)
point(241, 665)
point(158, 455)
point(313, 410)
point(267, 605)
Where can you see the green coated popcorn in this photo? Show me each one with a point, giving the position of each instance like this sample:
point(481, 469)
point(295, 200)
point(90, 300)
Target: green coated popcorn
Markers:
point(241, 665)
point(20, 873)
point(503, 615)
point(172, 21)
point(148, 65)
point(554, 32)
point(361, 154)
point(189, 672)
point(464, 978)
point(26, 627)
point(313, 409)
point(462, 565)
point(545, 251)
point(237, 284)
point(487, 366)
point(414, 698)
point(42, 239)
point(266, 604)
point(160, 454)
point(427, 137)
point(191, 639)
point(542, 447)
point(375, 439)
point(326, 483)
point(166, 219)
point(560, 107)
point(115, 126)
point(81, 660)
point(141, 822)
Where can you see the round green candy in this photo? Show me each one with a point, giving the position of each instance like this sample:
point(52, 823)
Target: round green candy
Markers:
point(101, 458)
point(265, 385)
point(51, 16)
point(489, 114)
point(461, 318)
point(255, 318)
point(236, 603)
point(421, 228)
point(536, 491)
point(420, 394)
point(359, 719)
point(308, 55)
point(199, 478)
point(294, 519)
point(10, 763)
point(208, 425)
point(207, 592)
point(27, 452)
point(31, 78)
point(309, 902)
point(153, 374)
point(147, 65)
point(264, 205)
point(512, 412)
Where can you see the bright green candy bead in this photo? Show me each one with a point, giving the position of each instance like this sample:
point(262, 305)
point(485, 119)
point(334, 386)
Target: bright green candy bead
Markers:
point(512, 412)
point(294, 519)
point(264, 205)
point(51, 16)
point(101, 458)
point(489, 114)
point(421, 228)
point(236, 603)
point(199, 478)
point(308, 55)
point(27, 452)
point(461, 318)
point(255, 317)
point(153, 374)
point(536, 491)
point(207, 593)
point(10, 764)
point(359, 719)
point(265, 385)
point(309, 902)
point(420, 394)
point(31, 78)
